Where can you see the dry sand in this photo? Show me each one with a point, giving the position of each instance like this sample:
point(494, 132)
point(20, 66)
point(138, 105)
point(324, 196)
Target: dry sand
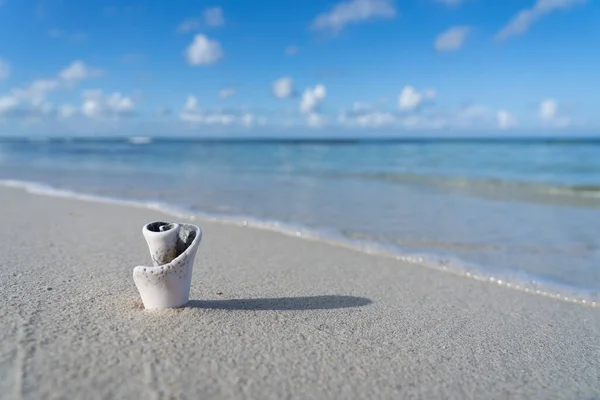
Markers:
point(271, 316)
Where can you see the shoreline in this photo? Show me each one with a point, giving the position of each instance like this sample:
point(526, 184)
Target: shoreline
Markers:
point(269, 316)
point(524, 283)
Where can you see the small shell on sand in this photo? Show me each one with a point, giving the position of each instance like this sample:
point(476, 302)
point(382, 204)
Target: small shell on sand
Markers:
point(173, 248)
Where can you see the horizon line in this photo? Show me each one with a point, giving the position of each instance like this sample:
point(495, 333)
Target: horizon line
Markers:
point(139, 139)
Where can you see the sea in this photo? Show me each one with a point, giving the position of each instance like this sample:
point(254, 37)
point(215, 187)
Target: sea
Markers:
point(522, 213)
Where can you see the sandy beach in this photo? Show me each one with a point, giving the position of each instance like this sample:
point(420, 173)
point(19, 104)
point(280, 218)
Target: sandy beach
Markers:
point(271, 316)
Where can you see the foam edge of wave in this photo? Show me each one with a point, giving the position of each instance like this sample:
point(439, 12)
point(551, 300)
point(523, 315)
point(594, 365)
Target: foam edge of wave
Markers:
point(524, 283)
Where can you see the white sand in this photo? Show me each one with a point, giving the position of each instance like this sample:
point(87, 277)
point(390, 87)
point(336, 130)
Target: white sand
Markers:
point(296, 319)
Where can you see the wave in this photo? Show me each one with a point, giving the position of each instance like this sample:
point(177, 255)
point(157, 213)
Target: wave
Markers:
point(483, 185)
point(513, 280)
point(140, 140)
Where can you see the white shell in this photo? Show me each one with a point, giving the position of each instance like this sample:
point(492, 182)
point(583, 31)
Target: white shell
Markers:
point(167, 283)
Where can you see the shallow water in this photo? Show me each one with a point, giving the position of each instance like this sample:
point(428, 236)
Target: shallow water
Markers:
point(526, 212)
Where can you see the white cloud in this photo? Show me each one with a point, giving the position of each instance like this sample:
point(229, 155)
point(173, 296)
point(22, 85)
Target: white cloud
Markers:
point(420, 122)
point(248, 120)
point(190, 104)
point(203, 51)
point(548, 109)
point(315, 120)
point(91, 108)
point(189, 25)
point(375, 119)
point(476, 116)
point(193, 114)
point(506, 120)
point(35, 93)
point(291, 50)
point(67, 111)
point(4, 69)
point(352, 12)
point(550, 115)
point(8, 104)
point(30, 101)
point(15, 106)
point(226, 92)
point(214, 118)
point(411, 99)
point(365, 117)
point(213, 17)
point(468, 117)
point(283, 88)
point(312, 99)
point(473, 112)
point(97, 105)
point(42, 86)
point(429, 94)
point(452, 39)
point(78, 71)
point(119, 104)
point(521, 22)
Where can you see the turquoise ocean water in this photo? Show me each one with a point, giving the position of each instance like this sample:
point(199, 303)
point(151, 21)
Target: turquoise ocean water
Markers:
point(525, 213)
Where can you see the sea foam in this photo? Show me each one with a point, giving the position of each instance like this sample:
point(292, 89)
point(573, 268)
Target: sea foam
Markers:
point(514, 280)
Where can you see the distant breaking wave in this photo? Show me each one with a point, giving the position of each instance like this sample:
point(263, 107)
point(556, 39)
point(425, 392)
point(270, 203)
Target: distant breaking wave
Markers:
point(140, 140)
point(479, 184)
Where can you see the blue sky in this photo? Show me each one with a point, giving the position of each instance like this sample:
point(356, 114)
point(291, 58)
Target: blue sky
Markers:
point(356, 67)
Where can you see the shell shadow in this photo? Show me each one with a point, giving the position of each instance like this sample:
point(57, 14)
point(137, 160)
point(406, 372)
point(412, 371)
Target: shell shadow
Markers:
point(282, 303)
